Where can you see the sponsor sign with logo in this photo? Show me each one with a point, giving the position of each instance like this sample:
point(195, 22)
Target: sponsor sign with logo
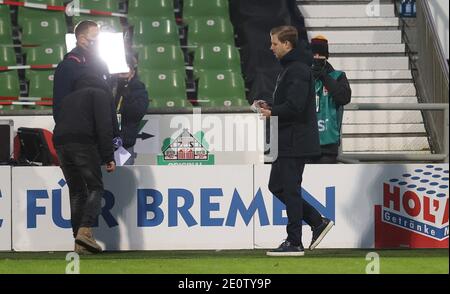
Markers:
point(144, 208)
point(230, 207)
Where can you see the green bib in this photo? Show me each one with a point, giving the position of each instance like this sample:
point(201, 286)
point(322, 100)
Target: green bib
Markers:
point(329, 115)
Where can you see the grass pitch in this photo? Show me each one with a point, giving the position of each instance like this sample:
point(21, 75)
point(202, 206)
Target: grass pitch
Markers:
point(322, 261)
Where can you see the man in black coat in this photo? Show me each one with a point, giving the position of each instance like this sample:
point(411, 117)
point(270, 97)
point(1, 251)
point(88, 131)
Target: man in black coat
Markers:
point(298, 141)
point(83, 137)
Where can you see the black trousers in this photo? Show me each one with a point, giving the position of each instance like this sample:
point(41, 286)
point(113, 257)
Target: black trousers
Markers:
point(81, 166)
point(326, 159)
point(285, 182)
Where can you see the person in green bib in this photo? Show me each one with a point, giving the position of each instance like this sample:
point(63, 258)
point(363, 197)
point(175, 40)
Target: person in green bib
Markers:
point(332, 93)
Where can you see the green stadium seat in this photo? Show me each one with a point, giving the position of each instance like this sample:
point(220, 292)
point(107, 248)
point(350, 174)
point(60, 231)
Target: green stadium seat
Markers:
point(153, 8)
point(5, 25)
point(210, 30)
point(4, 11)
point(10, 107)
point(106, 23)
point(9, 83)
point(165, 88)
point(160, 57)
point(45, 54)
point(193, 9)
point(7, 56)
point(101, 5)
point(221, 88)
point(42, 27)
point(155, 31)
point(216, 57)
point(40, 83)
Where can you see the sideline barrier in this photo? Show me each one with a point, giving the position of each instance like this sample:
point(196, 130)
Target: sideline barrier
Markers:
point(5, 208)
point(230, 207)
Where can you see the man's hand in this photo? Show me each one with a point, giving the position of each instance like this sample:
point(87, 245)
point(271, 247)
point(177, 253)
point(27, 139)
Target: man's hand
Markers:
point(111, 167)
point(266, 112)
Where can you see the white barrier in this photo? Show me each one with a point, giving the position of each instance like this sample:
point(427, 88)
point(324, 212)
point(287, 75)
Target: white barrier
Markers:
point(230, 207)
point(5, 208)
point(145, 208)
point(363, 200)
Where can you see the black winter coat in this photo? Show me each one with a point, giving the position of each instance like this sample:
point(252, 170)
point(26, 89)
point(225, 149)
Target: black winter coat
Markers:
point(76, 64)
point(294, 105)
point(86, 116)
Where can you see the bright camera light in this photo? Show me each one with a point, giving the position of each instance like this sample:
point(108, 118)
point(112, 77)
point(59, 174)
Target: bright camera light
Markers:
point(111, 49)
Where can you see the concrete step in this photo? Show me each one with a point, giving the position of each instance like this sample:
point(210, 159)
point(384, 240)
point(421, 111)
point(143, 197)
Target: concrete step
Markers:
point(393, 100)
point(365, 117)
point(393, 152)
point(383, 90)
point(370, 63)
point(351, 129)
point(385, 144)
point(350, 22)
point(359, 36)
point(379, 75)
point(366, 48)
point(346, 10)
point(382, 117)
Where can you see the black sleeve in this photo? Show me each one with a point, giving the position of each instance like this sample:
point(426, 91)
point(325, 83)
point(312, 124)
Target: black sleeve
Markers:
point(103, 107)
point(339, 89)
point(64, 78)
point(297, 95)
point(136, 104)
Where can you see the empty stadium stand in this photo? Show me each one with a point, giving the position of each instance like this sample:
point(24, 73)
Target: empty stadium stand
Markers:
point(216, 54)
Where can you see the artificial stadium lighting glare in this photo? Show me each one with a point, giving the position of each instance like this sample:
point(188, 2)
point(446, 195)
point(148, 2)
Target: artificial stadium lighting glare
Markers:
point(111, 48)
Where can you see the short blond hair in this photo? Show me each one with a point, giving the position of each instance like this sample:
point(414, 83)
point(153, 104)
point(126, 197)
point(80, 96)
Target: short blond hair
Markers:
point(286, 34)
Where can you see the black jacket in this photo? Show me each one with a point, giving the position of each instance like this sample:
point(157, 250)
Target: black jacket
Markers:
point(87, 117)
point(294, 105)
point(76, 64)
point(340, 92)
point(339, 89)
point(132, 109)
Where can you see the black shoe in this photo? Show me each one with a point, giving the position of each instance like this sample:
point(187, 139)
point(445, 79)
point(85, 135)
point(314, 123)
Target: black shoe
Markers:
point(320, 231)
point(287, 249)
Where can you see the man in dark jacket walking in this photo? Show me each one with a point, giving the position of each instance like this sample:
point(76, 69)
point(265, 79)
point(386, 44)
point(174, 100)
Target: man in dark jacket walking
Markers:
point(83, 137)
point(298, 141)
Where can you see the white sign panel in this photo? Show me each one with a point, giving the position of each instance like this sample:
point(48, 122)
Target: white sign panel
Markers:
point(144, 208)
point(229, 207)
point(5, 208)
point(372, 206)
